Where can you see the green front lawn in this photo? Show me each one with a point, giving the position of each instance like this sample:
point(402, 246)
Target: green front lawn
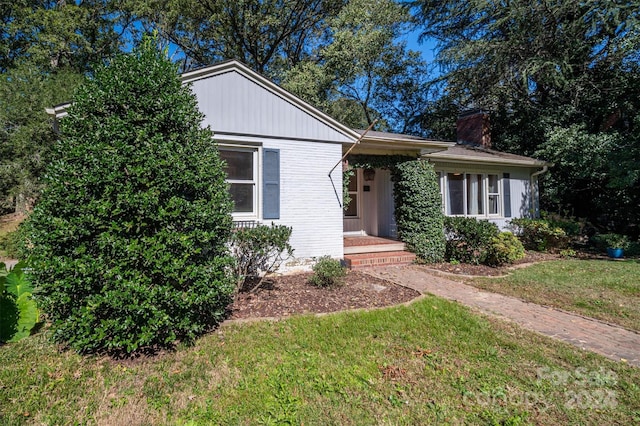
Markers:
point(604, 289)
point(433, 362)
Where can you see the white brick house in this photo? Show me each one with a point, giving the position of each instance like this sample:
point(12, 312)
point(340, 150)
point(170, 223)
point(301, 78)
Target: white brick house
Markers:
point(284, 164)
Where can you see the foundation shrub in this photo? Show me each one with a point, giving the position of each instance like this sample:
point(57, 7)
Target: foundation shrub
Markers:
point(258, 251)
point(328, 272)
point(468, 239)
point(539, 234)
point(504, 248)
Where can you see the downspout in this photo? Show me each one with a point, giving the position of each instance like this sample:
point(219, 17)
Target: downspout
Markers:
point(534, 177)
point(353, 146)
point(339, 193)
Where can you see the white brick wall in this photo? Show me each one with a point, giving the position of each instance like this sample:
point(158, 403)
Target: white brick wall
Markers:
point(308, 201)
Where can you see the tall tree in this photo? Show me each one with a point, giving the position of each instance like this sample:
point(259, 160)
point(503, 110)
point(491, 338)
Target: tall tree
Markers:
point(523, 58)
point(129, 237)
point(267, 35)
point(543, 67)
point(363, 72)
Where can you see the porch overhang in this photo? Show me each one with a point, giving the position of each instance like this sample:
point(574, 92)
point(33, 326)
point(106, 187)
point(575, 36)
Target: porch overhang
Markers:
point(383, 143)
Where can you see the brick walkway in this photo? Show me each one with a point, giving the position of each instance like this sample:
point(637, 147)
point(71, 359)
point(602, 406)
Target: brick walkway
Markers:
point(613, 342)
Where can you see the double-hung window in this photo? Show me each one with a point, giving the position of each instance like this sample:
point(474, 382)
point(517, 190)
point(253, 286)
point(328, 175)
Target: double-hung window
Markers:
point(242, 176)
point(471, 194)
point(352, 208)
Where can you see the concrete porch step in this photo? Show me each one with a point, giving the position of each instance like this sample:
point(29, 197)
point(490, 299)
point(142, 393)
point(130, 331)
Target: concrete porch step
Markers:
point(365, 260)
point(375, 248)
point(370, 244)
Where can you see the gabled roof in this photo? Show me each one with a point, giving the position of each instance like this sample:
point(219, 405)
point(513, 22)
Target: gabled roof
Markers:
point(60, 110)
point(245, 71)
point(461, 153)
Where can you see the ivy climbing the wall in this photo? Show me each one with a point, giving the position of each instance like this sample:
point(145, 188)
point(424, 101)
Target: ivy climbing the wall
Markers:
point(418, 209)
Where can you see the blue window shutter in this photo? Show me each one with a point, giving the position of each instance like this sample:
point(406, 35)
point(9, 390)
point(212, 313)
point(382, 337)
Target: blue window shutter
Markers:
point(506, 186)
point(271, 183)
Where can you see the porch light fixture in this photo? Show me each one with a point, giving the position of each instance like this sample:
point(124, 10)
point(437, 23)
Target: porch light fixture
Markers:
point(369, 174)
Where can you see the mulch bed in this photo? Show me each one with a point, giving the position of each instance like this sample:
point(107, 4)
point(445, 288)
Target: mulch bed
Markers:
point(488, 271)
point(292, 294)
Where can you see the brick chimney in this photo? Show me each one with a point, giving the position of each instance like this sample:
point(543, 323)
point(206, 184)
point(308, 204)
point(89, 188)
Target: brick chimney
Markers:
point(473, 127)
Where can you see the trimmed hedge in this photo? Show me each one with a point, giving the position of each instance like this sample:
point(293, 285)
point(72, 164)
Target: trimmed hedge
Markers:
point(418, 209)
point(128, 240)
point(468, 239)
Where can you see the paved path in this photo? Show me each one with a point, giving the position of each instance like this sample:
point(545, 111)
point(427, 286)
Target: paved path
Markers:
point(586, 333)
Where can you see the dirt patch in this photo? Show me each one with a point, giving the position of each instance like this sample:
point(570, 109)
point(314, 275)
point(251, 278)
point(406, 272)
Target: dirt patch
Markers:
point(292, 294)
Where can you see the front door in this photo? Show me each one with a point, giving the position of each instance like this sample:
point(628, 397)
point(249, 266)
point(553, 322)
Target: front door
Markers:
point(361, 215)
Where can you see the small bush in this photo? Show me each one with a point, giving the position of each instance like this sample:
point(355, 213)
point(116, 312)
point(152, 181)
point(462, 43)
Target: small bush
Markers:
point(468, 239)
point(418, 209)
point(633, 249)
point(327, 272)
point(539, 234)
point(259, 251)
point(505, 248)
point(574, 228)
point(568, 253)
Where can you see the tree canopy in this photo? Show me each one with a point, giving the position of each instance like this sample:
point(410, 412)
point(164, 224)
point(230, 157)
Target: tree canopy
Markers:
point(46, 48)
point(553, 74)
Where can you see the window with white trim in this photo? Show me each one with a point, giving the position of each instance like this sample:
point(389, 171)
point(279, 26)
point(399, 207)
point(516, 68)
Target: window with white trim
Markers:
point(471, 194)
point(242, 175)
point(352, 208)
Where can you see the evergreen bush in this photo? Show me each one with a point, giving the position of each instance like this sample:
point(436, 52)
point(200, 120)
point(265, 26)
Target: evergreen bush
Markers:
point(468, 239)
point(504, 248)
point(128, 240)
point(418, 209)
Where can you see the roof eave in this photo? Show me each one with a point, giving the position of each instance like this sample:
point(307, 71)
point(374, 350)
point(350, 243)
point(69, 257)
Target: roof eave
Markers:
point(494, 161)
point(381, 142)
point(58, 111)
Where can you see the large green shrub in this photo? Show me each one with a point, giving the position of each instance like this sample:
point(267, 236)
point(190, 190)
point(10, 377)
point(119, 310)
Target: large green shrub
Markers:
point(468, 239)
point(539, 234)
point(258, 251)
point(128, 240)
point(418, 209)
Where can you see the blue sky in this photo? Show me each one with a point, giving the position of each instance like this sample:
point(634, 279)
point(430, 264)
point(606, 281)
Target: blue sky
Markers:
point(427, 47)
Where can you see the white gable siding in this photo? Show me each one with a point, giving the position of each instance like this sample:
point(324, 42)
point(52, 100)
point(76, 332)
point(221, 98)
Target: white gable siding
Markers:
point(308, 200)
point(233, 104)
